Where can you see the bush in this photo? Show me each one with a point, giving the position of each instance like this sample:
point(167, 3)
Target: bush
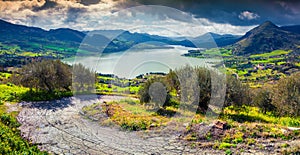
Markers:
point(194, 85)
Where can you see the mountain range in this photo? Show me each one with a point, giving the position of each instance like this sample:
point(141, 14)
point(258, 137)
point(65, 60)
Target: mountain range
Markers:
point(67, 41)
point(267, 37)
point(263, 38)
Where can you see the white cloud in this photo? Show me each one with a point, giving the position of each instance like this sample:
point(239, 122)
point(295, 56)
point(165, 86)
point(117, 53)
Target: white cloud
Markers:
point(247, 15)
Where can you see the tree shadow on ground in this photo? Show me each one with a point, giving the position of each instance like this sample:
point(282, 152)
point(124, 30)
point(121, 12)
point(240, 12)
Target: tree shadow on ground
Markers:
point(62, 103)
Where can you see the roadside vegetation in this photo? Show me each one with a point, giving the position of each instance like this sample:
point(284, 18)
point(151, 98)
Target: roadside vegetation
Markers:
point(10, 140)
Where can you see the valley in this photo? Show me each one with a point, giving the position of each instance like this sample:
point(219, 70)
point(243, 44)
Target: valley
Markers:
point(134, 93)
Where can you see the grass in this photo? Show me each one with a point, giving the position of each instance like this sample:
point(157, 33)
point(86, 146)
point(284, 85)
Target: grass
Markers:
point(116, 86)
point(217, 52)
point(4, 76)
point(29, 54)
point(271, 54)
point(246, 127)
point(128, 114)
point(11, 93)
point(225, 145)
point(134, 107)
point(267, 60)
point(33, 95)
point(136, 119)
point(278, 63)
point(253, 114)
point(10, 140)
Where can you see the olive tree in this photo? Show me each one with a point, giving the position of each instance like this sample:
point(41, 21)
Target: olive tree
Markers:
point(45, 75)
point(83, 78)
point(286, 96)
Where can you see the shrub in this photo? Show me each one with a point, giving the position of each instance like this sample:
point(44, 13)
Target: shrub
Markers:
point(228, 152)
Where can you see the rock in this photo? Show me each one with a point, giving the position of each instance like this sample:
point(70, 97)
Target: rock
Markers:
point(185, 124)
point(293, 128)
point(283, 131)
point(152, 125)
point(220, 125)
point(155, 119)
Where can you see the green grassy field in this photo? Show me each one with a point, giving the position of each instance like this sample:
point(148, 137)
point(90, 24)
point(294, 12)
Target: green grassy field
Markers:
point(11, 93)
point(271, 54)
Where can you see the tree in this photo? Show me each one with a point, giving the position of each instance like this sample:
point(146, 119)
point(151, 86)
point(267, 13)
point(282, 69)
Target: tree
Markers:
point(286, 96)
point(46, 75)
point(172, 80)
point(155, 93)
point(205, 85)
point(263, 100)
point(237, 93)
point(83, 78)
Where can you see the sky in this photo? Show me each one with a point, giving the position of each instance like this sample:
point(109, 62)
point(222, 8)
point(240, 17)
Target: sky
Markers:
point(161, 17)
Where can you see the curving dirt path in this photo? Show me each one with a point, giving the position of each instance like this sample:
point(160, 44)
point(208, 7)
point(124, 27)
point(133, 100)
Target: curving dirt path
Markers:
point(57, 127)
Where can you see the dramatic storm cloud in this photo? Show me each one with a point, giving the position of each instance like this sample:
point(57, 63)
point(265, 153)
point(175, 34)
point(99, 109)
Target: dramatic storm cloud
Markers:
point(228, 11)
point(197, 17)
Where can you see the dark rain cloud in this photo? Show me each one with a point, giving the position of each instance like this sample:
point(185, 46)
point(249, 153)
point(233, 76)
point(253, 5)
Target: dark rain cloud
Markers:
point(73, 14)
point(229, 11)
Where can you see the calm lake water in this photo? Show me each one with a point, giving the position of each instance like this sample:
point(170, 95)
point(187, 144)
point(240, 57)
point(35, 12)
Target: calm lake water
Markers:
point(134, 62)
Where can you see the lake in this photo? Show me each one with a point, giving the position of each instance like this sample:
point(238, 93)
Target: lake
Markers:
point(133, 62)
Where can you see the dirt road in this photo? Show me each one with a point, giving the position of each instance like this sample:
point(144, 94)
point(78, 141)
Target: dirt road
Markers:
point(57, 127)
